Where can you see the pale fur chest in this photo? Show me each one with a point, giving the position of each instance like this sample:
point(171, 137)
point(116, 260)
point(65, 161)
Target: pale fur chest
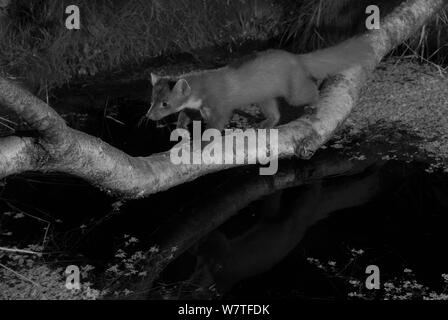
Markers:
point(192, 103)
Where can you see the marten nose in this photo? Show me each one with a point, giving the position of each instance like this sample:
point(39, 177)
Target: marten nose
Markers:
point(150, 112)
point(150, 115)
point(153, 115)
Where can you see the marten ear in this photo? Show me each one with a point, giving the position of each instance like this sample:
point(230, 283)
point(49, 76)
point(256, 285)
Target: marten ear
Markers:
point(154, 78)
point(182, 87)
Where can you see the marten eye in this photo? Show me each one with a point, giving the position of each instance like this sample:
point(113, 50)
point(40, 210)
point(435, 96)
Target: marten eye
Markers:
point(164, 104)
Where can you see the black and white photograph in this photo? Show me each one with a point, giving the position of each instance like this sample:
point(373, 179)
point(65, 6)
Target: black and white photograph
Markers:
point(200, 153)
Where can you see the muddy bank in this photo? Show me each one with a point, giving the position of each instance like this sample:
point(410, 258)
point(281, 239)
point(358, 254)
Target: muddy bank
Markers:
point(405, 97)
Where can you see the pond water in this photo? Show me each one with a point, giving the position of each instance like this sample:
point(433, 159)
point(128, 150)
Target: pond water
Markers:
point(243, 235)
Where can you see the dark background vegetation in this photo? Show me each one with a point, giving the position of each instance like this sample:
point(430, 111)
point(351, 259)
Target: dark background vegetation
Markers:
point(119, 34)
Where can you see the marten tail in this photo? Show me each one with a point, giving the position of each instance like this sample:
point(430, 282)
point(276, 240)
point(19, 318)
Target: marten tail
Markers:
point(329, 61)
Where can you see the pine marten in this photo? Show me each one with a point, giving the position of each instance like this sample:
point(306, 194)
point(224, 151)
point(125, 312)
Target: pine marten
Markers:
point(261, 80)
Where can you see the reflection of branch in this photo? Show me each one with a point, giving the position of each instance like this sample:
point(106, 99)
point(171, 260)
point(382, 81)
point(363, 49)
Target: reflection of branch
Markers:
point(228, 261)
point(231, 198)
point(59, 148)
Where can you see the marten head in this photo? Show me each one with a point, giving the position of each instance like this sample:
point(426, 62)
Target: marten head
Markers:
point(168, 96)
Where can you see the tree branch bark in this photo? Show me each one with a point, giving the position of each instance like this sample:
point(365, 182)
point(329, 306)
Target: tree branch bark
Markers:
point(60, 148)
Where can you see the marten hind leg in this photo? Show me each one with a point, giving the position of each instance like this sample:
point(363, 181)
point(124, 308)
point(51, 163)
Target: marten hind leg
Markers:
point(269, 108)
point(302, 93)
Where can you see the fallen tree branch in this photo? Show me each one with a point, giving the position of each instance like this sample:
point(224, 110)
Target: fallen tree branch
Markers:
point(57, 147)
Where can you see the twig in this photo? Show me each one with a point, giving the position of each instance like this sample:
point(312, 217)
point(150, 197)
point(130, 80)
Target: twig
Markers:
point(20, 251)
point(20, 276)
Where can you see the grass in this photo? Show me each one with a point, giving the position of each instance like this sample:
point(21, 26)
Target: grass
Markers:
point(40, 51)
point(320, 23)
point(37, 46)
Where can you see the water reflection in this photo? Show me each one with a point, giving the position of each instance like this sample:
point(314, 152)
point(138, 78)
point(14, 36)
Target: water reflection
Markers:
point(233, 229)
point(287, 204)
point(284, 220)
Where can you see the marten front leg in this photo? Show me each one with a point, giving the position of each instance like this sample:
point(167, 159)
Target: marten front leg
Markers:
point(183, 120)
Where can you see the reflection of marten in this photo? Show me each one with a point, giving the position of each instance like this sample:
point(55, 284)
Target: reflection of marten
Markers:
point(285, 218)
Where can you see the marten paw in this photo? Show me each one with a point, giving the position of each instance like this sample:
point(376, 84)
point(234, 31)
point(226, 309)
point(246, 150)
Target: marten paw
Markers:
point(265, 124)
